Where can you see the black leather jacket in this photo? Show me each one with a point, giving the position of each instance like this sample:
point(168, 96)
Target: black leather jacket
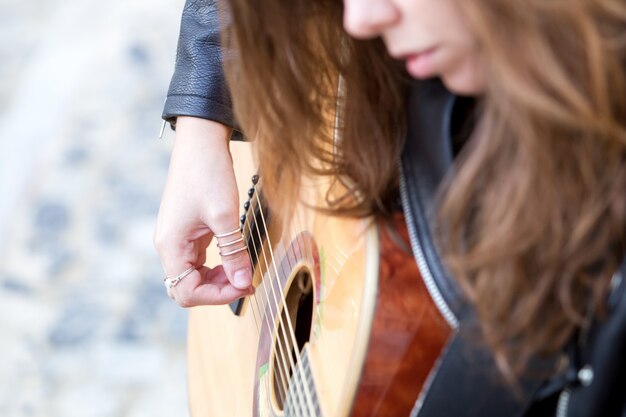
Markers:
point(465, 381)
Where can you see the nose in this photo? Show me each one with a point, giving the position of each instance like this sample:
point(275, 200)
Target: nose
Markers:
point(364, 19)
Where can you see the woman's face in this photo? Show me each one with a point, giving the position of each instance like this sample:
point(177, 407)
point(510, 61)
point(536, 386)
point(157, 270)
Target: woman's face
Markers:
point(430, 35)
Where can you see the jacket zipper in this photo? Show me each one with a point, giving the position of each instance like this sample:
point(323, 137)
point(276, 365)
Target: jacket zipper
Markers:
point(418, 254)
point(563, 404)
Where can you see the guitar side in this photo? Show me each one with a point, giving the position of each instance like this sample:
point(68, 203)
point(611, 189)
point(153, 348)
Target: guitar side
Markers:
point(408, 331)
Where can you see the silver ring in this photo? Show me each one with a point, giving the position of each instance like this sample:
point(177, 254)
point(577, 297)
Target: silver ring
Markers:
point(232, 252)
point(237, 230)
point(172, 282)
point(230, 243)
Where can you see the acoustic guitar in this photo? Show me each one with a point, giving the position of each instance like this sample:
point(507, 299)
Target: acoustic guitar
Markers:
point(340, 324)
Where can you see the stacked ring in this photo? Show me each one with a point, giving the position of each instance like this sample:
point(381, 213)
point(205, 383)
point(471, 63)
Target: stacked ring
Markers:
point(237, 230)
point(232, 252)
point(223, 245)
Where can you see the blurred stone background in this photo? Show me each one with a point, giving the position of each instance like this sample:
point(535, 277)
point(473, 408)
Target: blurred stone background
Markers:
point(86, 328)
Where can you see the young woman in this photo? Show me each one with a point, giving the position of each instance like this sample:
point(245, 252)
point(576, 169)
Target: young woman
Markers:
point(509, 119)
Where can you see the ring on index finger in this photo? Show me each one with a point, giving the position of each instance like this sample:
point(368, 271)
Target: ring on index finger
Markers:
point(172, 282)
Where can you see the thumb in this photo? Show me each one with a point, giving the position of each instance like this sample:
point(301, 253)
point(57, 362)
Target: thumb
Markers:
point(236, 261)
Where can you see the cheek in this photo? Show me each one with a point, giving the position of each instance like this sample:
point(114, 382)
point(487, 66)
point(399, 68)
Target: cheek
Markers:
point(462, 65)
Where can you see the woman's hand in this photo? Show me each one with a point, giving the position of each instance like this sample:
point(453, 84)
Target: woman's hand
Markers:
point(200, 200)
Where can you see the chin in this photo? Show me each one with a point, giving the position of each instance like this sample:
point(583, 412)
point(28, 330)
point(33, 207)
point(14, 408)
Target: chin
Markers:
point(465, 83)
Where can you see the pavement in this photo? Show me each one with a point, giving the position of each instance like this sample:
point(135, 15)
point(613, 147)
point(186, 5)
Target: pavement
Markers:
point(86, 328)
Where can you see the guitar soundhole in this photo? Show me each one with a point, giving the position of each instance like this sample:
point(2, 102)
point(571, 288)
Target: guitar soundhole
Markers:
point(298, 316)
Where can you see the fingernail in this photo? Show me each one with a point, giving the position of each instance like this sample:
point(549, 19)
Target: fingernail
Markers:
point(243, 278)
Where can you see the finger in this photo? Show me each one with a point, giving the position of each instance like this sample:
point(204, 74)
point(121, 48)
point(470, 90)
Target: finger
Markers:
point(236, 260)
point(217, 276)
point(190, 277)
point(201, 249)
point(238, 269)
point(213, 288)
point(217, 294)
point(178, 252)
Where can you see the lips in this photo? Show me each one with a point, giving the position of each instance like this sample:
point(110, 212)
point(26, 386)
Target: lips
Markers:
point(421, 65)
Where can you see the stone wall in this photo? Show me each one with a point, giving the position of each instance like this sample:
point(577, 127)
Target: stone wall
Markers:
point(86, 328)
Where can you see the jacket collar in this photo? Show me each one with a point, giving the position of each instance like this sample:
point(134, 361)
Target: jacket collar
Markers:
point(426, 159)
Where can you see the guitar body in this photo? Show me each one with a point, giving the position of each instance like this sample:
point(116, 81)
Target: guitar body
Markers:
point(366, 331)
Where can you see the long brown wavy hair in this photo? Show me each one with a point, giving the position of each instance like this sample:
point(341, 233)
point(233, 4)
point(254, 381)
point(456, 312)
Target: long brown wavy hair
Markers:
point(532, 221)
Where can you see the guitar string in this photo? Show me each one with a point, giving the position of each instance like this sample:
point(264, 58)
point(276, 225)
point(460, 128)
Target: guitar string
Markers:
point(257, 321)
point(281, 385)
point(298, 240)
point(295, 223)
point(284, 370)
point(305, 250)
point(282, 346)
point(306, 254)
point(281, 369)
point(256, 193)
point(276, 303)
point(289, 255)
point(296, 348)
point(291, 327)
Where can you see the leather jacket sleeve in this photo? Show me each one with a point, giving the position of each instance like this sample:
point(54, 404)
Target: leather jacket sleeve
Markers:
point(198, 87)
